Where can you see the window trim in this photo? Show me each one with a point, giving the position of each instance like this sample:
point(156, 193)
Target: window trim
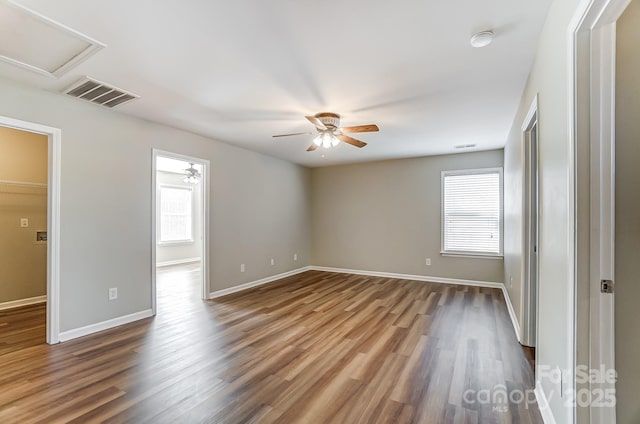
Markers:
point(468, 254)
point(174, 242)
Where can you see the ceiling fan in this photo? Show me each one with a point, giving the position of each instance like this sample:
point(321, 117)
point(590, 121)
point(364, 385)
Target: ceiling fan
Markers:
point(330, 133)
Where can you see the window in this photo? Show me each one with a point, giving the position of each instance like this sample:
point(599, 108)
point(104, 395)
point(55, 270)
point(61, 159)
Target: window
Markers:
point(175, 214)
point(472, 212)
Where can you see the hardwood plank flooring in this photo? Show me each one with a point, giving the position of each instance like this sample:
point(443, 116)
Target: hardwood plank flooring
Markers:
point(22, 327)
point(317, 347)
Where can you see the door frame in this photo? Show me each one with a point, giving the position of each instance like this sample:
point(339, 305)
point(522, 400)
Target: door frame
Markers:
point(54, 136)
point(592, 35)
point(528, 327)
point(205, 181)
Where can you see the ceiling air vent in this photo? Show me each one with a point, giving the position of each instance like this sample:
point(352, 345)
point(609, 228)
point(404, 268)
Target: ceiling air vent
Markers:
point(98, 92)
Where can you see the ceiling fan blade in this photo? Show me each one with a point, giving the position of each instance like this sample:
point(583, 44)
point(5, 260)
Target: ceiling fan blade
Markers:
point(352, 141)
point(288, 135)
point(312, 148)
point(315, 121)
point(360, 128)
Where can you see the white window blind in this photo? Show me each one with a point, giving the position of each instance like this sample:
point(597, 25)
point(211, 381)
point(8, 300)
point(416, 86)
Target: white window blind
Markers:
point(472, 212)
point(175, 214)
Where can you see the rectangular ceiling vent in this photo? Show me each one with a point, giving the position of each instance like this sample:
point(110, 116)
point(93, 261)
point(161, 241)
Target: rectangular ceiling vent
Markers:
point(98, 92)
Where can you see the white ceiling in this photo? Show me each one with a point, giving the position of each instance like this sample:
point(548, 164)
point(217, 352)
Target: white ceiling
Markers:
point(240, 71)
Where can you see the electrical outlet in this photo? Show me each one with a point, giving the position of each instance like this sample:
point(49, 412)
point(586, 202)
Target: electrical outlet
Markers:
point(24, 222)
point(273, 262)
point(427, 262)
point(113, 293)
point(241, 267)
point(295, 256)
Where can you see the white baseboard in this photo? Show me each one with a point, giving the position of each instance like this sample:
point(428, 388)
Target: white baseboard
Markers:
point(104, 325)
point(512, 313)
point(22, 302)
point(442, 280)
point(260, 282)
point(543, 405)
point(178, 262)
point(245, 286)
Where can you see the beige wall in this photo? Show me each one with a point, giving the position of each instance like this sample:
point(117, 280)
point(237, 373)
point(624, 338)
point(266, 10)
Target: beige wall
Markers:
point(23, 261)
point(550, 79)
point(259, 205)
point(23, 156)
point(627, 249)
point(385, 216)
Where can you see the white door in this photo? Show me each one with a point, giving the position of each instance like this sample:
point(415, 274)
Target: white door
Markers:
point(531, 224)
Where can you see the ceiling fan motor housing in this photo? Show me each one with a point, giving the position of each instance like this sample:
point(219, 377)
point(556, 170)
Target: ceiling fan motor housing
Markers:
point(329, 119)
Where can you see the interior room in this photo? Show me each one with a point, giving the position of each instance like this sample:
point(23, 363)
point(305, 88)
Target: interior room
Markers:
point(23, 247)
point(279, 212)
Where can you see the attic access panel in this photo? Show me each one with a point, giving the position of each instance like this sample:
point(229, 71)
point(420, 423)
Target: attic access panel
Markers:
point(35, 42)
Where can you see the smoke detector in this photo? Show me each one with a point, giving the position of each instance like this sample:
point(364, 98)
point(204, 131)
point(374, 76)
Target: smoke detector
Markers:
point(482, 39)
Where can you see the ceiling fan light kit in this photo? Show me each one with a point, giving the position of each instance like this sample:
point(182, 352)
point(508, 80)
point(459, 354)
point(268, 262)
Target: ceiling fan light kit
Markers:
point(482, 38)
point(326, 140)
point(192, 175)
point(330, 134)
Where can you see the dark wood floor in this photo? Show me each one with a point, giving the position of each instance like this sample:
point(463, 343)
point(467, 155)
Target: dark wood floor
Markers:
point(313, 348)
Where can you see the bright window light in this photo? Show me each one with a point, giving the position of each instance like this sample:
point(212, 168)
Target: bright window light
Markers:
point(472, 212)
point(175, 214)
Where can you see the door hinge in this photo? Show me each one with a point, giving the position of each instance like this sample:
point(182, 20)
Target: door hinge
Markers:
point(606, 286)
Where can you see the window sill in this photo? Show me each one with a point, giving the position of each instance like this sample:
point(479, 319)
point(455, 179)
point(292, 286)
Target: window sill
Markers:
point(175, 243)
point(472, 255)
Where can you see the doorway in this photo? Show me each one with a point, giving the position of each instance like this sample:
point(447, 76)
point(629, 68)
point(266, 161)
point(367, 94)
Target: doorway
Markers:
point(180, 229)
point(594, 119)
point(531, 225)
point(32, 215)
